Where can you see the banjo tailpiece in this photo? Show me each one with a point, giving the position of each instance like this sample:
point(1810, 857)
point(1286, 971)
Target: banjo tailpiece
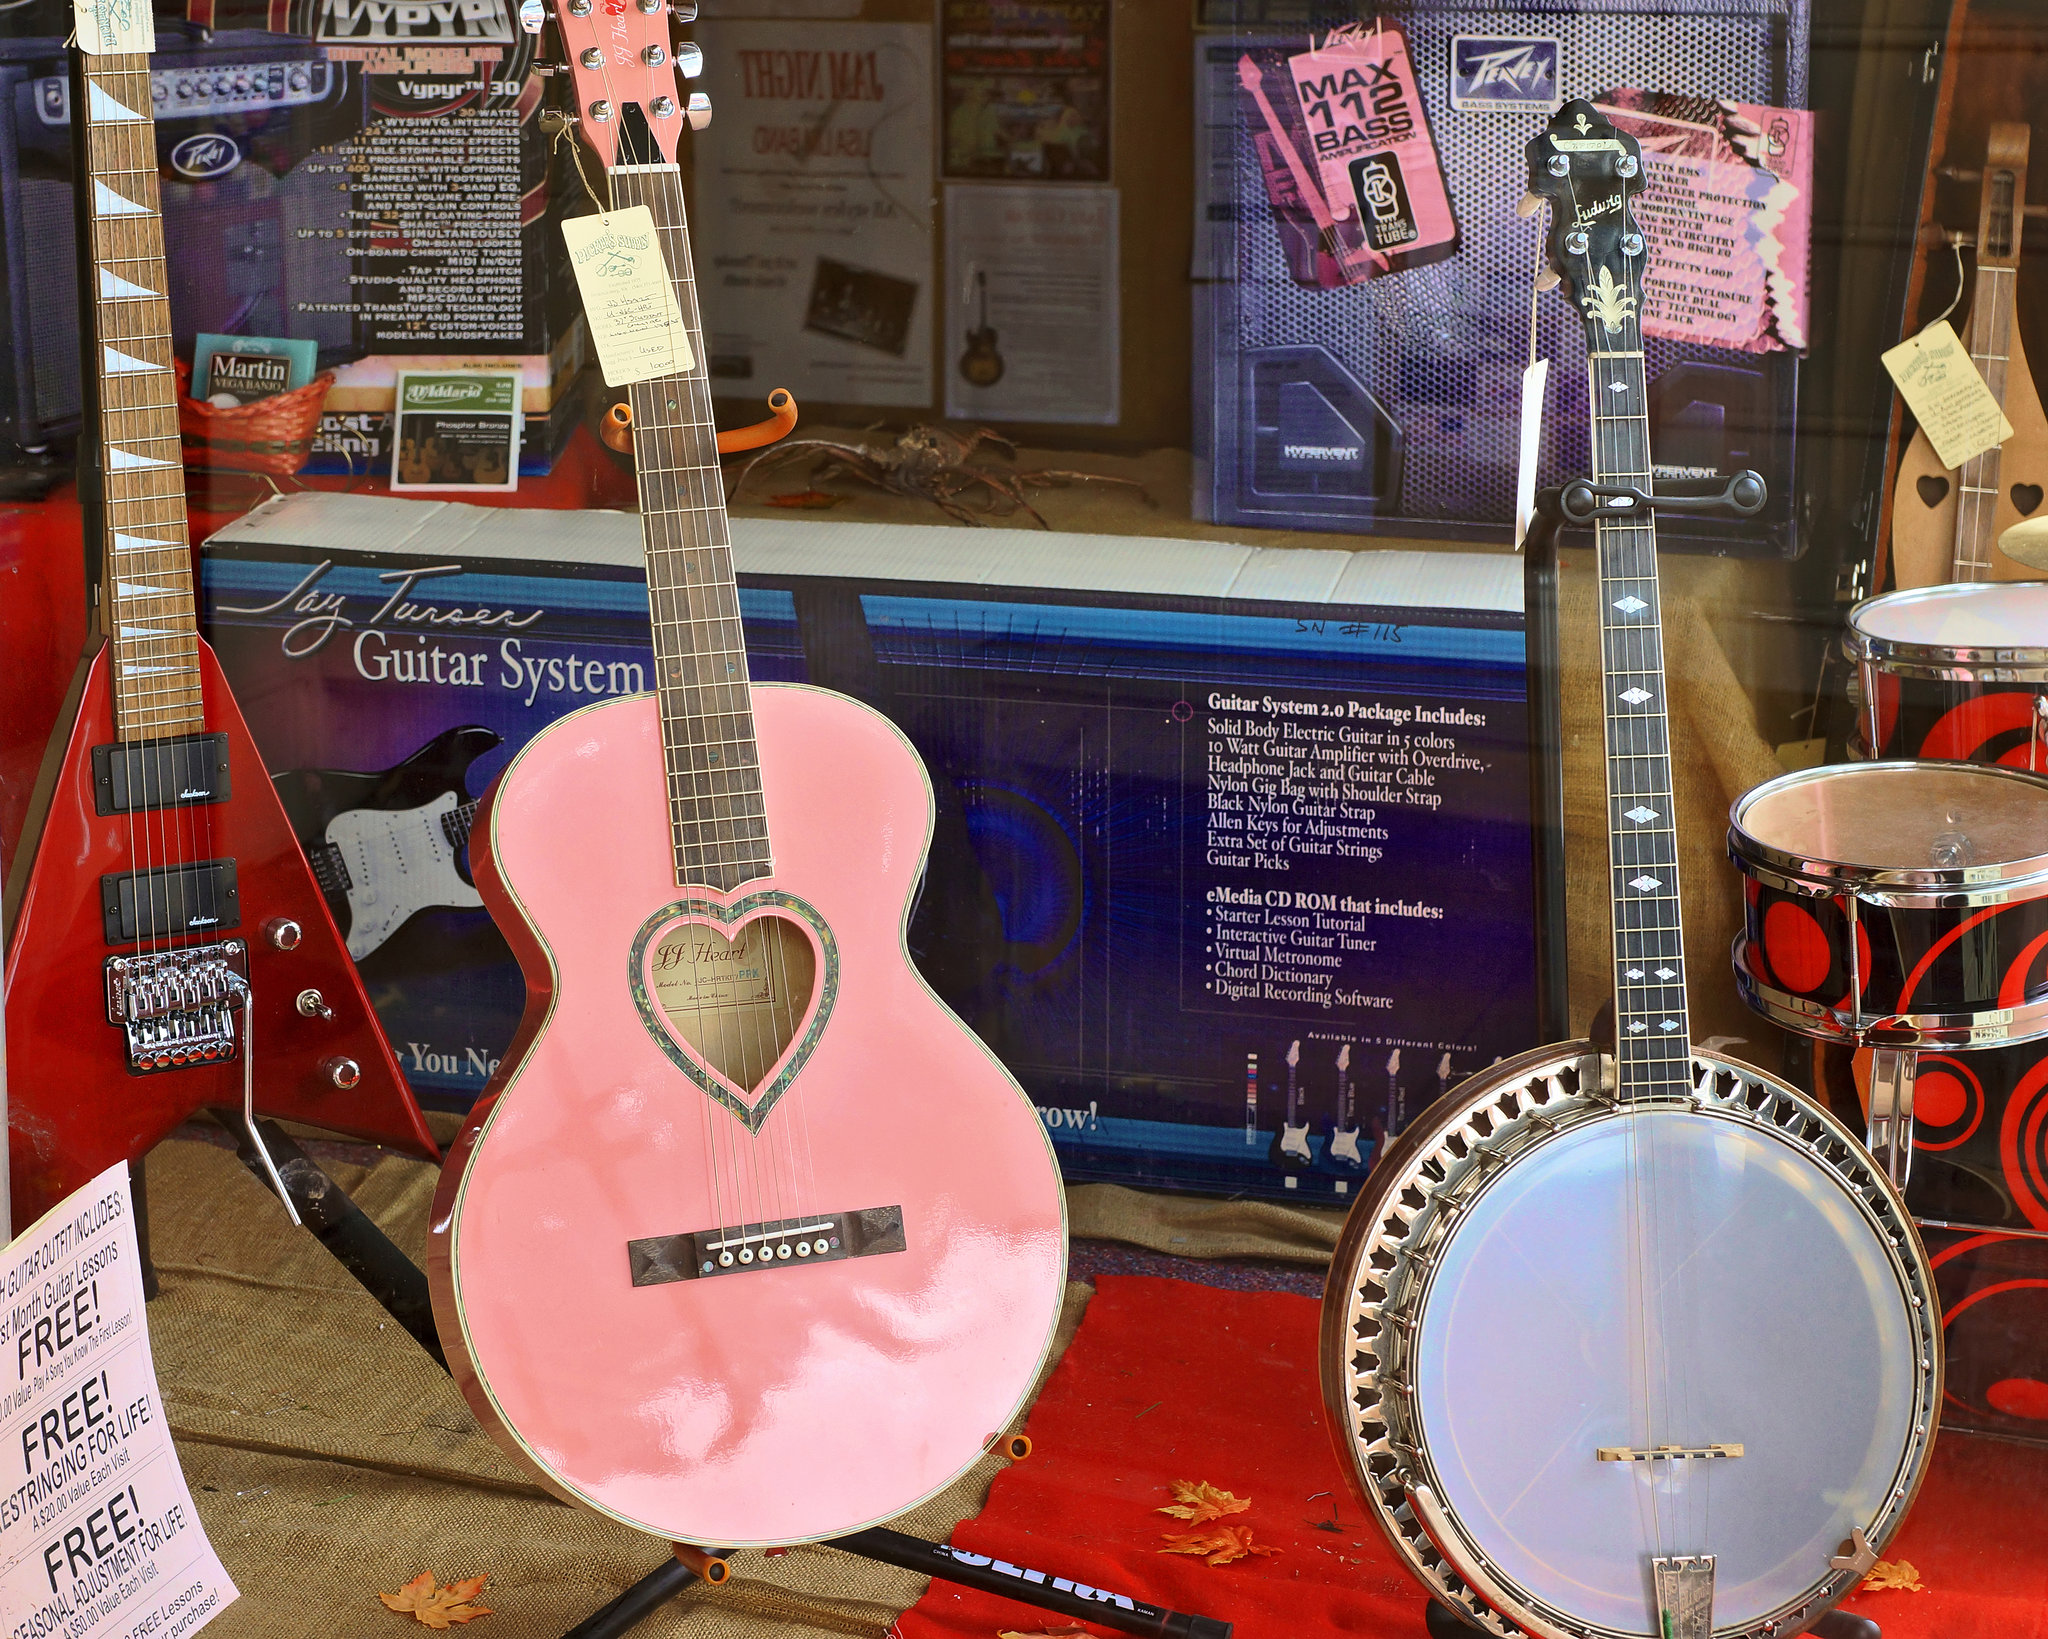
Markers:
point(1630, 1342)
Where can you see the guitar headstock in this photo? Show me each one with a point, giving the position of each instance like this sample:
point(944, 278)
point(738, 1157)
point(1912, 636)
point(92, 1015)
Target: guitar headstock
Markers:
point(1591, 173)
point(627, 70)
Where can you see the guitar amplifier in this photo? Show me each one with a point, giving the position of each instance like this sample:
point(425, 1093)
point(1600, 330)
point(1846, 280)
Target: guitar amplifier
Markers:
point(249, 224)
point(1393, 405)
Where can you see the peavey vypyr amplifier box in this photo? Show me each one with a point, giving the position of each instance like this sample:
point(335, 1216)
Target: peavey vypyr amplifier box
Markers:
point(1219, 828)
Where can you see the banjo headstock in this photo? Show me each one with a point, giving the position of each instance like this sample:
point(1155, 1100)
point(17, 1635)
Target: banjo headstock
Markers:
point(1590, 173)
point(620, 58)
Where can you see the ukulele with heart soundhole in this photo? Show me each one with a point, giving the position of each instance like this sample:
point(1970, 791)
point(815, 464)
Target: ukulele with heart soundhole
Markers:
point(750, 1241)
point(1946, 525)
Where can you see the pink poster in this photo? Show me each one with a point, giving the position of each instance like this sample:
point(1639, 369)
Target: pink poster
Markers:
point(1371, 146)
point(1727, 208)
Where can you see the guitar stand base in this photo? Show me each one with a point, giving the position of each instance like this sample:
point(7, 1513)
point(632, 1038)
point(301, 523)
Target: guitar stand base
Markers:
point(947, 1564)
point(1442, 1622)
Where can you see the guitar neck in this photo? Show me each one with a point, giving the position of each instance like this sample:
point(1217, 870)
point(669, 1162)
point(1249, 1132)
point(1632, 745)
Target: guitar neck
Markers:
point(1653, 1039)
point(716, 811)
point(1999, 219)
point(150, 621)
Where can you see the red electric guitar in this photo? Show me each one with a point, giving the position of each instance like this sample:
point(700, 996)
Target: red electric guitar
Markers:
point(165, 917)
point(749, 1241)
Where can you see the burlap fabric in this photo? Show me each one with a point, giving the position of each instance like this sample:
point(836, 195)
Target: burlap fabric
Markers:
point(330, 1458)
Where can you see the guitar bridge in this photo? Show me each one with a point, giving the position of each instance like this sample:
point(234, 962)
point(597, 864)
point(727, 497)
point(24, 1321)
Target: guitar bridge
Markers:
point(179, 1007)
point(821, 1237)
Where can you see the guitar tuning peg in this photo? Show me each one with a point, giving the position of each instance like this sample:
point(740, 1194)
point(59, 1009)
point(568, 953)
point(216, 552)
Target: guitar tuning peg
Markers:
point(1548, 279)
point(1529, 204)
point(689, 59)
point(683, 11)
point(533, 16)
point(700, 110)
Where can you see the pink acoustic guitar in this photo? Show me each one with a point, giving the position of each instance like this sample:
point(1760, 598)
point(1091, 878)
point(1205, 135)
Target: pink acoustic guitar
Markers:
point(750, 1241)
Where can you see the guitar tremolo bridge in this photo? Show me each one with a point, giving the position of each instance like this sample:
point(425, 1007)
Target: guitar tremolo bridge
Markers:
point(818, 1237)
point(178, 1007)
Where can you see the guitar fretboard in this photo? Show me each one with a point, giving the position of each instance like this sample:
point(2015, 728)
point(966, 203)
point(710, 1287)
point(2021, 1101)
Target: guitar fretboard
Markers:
point(716, 810)
point(1653, 1039)
point(152, 627)
point(1991, 311)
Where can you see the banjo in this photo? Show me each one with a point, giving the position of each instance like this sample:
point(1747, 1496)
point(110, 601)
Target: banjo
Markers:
point(1630, 1340)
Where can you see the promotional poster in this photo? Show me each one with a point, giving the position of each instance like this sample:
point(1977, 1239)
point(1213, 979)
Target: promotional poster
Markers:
point(814, 211)
point(1025, 89)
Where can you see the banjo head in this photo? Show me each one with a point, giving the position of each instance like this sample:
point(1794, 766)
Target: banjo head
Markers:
point(1538, 1275)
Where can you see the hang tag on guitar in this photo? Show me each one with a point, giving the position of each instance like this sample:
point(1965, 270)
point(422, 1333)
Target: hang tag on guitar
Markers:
point(1534, 380)
point(1366, 124)
point(635, 323)
point(1942, 387)
point(109, 27)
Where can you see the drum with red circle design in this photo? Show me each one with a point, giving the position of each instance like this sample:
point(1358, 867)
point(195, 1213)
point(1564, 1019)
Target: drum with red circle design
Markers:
point(1994, 1312)
point(1896, 904)
point(1958, 673)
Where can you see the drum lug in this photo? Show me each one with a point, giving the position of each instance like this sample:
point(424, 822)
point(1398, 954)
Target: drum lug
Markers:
point(1893, 1071)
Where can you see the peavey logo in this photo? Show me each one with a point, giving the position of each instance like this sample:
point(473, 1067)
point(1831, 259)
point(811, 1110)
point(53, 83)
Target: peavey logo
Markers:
point(1491, 74)
point(199, 157)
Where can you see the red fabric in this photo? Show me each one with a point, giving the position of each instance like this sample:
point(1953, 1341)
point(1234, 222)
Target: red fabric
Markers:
point(1168, 1380)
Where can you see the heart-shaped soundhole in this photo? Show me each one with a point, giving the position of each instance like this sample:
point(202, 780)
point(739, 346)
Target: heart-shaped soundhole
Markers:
point(2026, 497)
point(1933, 490)
point(738, 999)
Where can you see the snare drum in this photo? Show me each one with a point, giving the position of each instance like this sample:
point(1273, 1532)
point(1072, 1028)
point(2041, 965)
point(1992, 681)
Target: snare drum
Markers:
point(1955, 672)
point(1896, 904)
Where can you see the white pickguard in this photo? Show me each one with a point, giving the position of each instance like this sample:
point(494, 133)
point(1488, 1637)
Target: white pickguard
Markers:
point(1344, 1146)
point(399, 861)
point(1294, 1141)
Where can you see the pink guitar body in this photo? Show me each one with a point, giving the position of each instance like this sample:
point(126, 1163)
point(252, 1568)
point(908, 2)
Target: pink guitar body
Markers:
point(788, 1400)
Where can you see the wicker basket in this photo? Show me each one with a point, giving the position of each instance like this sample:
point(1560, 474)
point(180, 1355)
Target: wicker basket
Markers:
point(273, 435)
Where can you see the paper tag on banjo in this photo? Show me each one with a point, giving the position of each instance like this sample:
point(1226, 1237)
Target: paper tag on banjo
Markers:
point(635, 323)
point(109, 27)
point(1941, 386)
point(1534, 379)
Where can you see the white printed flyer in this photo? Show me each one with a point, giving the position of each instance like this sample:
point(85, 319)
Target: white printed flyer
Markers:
point(98, 1535)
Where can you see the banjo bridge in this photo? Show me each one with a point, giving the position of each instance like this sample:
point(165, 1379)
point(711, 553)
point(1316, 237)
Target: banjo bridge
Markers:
point(1653, 1454)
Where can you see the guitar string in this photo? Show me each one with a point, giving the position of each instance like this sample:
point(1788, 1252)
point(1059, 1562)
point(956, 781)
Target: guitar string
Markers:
point(749, 1048)
point(666, 608)
point(1990, 327)
point(1618, 644)
point(789, 1142)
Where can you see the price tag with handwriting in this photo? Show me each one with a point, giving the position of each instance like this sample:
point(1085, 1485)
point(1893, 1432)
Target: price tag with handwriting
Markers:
point(1942, 387)
point(108, 27)
point(635, 322)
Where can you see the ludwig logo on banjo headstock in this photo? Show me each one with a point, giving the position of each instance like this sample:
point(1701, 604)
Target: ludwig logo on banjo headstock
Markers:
point(1589, 172)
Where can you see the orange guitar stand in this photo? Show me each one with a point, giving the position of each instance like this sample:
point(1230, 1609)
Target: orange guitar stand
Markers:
point(616, 426)
point(934, 1559)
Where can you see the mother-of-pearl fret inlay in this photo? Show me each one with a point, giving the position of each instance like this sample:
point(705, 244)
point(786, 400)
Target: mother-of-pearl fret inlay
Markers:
point(717, 818)
point(152, 626)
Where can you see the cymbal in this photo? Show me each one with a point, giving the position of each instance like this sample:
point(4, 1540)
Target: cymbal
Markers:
point(2027, 542)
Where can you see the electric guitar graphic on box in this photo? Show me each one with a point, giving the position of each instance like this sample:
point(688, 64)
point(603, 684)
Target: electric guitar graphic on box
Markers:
point(388, 845)
point(1290, 1144)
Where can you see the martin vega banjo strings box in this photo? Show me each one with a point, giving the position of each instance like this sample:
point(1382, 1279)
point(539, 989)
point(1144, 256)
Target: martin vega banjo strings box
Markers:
point(1218, 828)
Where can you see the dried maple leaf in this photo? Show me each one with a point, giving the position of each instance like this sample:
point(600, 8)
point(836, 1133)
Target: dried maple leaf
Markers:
point(1198, 1502)
point(1219, 1547)
point(439, 1607)
point(1893, 1574)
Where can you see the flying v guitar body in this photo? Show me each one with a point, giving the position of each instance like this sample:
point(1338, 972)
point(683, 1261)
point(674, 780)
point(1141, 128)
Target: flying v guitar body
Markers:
point(74, 1107)
point(768, 1302)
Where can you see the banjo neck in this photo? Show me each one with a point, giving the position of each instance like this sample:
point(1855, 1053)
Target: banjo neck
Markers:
point(1653, 1043)
point(1999, 216)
